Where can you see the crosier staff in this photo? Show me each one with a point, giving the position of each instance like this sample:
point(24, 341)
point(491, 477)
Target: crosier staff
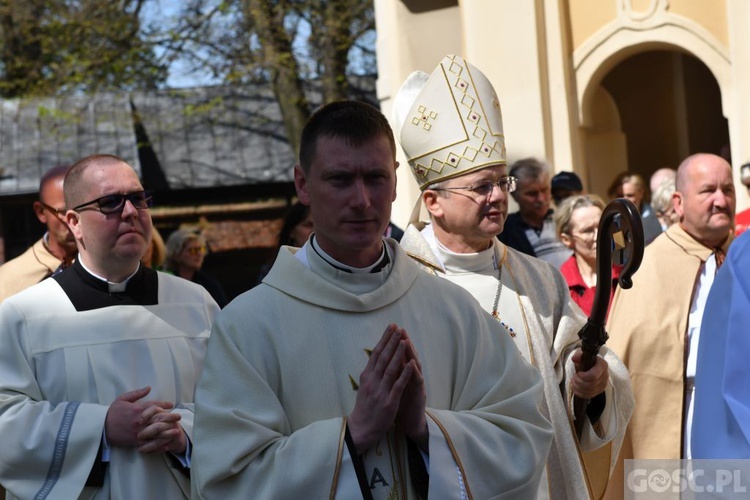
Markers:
point(625, 233)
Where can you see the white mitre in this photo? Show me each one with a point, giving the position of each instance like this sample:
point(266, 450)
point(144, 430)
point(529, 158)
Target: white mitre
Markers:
point(449, 123)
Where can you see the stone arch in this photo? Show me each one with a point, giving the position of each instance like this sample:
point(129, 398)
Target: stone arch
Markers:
point(617, 42)
point(592, 68)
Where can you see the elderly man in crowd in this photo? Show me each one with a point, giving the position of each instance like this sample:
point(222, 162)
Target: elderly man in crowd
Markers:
point(350, 373)
point(531, 230)
point(467, 200)
point(99, 363)
point(655, 326)
point(54, 251)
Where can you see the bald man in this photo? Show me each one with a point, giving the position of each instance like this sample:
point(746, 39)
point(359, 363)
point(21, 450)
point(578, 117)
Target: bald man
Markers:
point(655, 326)
point(661, 175)
point(54, 251)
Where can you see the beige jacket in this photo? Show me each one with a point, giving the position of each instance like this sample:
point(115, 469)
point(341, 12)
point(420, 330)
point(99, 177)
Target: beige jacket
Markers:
point(647, 328)
point(27, 269)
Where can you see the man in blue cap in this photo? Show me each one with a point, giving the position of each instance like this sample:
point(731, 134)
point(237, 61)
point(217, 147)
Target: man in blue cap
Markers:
point(565, 184)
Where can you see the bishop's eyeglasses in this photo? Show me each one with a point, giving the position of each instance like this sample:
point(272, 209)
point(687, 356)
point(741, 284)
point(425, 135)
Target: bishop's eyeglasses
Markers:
point(507, 184)
point(114, 203)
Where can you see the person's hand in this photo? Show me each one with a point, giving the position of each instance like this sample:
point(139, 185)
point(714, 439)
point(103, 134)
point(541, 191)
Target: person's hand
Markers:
point(124, 420)
point(162, 432)
point(411, 417)
point(381, 386)
point(592, 382)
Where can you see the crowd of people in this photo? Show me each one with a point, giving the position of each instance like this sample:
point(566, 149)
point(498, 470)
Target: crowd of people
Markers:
point(443, 361)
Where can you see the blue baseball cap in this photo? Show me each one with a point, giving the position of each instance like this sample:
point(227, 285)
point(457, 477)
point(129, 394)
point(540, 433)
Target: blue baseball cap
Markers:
point(568, 181)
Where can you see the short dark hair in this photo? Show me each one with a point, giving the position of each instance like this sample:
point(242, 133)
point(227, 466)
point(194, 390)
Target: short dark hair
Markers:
point(73, 186)
point(355, 122)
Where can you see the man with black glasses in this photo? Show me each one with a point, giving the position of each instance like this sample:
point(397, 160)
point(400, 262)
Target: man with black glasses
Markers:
point(452, 133)
point(99, 363)
point(54, 251)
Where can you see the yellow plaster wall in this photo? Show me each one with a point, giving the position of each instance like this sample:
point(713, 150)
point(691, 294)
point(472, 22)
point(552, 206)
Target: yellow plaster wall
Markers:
point(711, 14)
point(640, 6)
point(432, 35)
point(588, 16)
point(407, 42)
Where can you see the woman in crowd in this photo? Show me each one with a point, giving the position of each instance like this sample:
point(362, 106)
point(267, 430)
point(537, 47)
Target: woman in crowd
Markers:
point(577, 222)
point(156, 251)
point(295, 231)
point(297, 226)
point(186, 251)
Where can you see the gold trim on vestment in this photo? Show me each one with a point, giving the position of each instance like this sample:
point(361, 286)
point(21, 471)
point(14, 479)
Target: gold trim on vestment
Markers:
point(399, 467)
point(520, 306)
point(576, 440)
point(456, 458)
point(424, 262)
point(580, 456)
point(339, 458)
point(567, 414)
point(594, 459)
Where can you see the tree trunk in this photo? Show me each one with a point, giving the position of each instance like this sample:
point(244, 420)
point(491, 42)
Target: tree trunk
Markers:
point(277, 53)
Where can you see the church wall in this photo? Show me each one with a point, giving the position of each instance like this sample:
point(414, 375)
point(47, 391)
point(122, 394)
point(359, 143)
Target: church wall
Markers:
point(587, 17)
point(408, 42)
point(738, 114)
point(547, 59)
point(604, 145)
point(710, 15)
point(508, 45)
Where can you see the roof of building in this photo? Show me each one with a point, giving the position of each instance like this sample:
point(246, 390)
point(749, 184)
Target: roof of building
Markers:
point(203, 137)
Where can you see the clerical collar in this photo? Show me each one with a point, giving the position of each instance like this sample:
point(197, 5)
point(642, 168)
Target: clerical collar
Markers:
point(88, 291)
point(111, 286)
point(378, 266)
point(458, 263)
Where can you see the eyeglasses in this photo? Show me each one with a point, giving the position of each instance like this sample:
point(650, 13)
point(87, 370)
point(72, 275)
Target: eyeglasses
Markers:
point(57, 211)
point(114, 203)
point(196, 250)
point(484, 189)
point(588, 233)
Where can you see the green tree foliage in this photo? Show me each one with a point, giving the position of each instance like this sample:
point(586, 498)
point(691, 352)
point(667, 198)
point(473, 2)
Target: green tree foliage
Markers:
point(282, 42)
point(52, 47)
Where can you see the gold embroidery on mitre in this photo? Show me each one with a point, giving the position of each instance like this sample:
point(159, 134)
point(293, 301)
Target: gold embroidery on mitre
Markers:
point(477, 128)
point(423, 118)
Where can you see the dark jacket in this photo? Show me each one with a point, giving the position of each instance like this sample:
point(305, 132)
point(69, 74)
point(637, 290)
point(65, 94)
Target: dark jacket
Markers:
point(514, 234)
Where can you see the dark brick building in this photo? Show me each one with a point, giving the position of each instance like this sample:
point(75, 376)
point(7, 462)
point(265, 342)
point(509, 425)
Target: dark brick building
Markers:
point(217, 158)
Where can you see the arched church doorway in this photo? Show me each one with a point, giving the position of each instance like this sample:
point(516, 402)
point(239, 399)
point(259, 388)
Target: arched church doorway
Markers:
point(651, 110)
